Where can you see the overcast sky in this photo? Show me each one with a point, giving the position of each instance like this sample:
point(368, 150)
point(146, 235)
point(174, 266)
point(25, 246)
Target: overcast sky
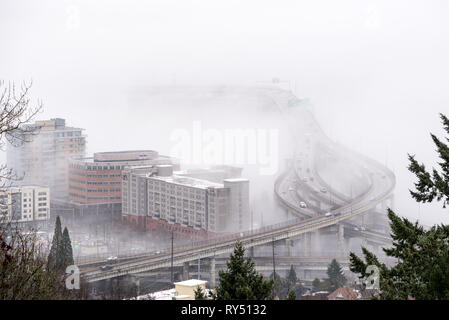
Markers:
point(376, 72)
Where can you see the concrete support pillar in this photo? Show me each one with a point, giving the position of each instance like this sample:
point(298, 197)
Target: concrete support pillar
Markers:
point(307, 275)
point(185, 270)
point(288, 244)
point(212, 273)
point(317, 242)
point(251, 252)
point(307, 244)
point(341, 240)
point(137, 283)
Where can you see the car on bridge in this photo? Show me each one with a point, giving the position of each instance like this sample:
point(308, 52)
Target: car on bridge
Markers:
point(112, 259)
point(323, 190)
point(106, 267)
point(328, 214)
point(302, 204)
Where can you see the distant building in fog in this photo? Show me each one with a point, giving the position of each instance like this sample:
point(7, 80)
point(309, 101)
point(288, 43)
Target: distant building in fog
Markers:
point(24, 205)
point(44, 160)
point(158, 199)
point(95, 182)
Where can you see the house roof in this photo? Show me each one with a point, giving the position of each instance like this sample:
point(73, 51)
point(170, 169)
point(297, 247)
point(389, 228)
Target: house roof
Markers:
point(344, 293)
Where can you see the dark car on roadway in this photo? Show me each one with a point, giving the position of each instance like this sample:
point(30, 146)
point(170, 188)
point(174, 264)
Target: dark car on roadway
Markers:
point(106, 267)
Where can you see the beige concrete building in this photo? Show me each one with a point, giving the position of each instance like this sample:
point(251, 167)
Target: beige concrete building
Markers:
point(185, 290)
point(43, 160)
point(158, 199)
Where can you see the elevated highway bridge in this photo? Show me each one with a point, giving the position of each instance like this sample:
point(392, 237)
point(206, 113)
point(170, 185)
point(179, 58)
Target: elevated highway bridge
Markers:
point(381, 184)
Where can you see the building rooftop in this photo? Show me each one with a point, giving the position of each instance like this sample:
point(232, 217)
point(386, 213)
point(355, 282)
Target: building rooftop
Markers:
point(191, 283)
point(92, 160)
point(344, 293)
point(236, 180)
point(125, 151)
point(188, 181)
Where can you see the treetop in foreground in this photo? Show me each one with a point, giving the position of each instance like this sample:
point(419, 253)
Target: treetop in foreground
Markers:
point(240, 280)
point(435, 184)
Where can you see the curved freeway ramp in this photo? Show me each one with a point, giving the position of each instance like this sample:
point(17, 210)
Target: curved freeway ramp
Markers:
point(313, 145)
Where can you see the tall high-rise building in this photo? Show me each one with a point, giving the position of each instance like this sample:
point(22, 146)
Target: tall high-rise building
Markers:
point(44, 159)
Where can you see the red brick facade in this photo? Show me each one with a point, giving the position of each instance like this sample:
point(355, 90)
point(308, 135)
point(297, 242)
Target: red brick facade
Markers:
point(161, 226)
point(95, 186)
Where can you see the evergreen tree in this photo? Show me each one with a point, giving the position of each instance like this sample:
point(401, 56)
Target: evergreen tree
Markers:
point(423, 262)
point(318, 285)
point(240, 280)
point(292, 279)
point(422, 255)
point(199, 294)
point(435, 185)
point(56, 255)
point(67, 249)
point(278, 285)
point(336, 276)
point(291, 295)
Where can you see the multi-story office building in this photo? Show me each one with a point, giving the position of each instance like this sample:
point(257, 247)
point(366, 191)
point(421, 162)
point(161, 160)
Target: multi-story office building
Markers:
point(95, 182)
point(43, 159)
point(157, 199)
point(24, 205)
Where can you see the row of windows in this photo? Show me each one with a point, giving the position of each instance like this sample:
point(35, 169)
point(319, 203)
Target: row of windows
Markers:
point(97, 168)
point(95, 182)
point(104, 190)
point(69, 134)
point(75, 195)
point(158, 185)
point(114, 175)
point(103, 182)
point(103, 198)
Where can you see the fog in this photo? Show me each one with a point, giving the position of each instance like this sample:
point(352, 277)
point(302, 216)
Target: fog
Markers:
point(375, 72)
